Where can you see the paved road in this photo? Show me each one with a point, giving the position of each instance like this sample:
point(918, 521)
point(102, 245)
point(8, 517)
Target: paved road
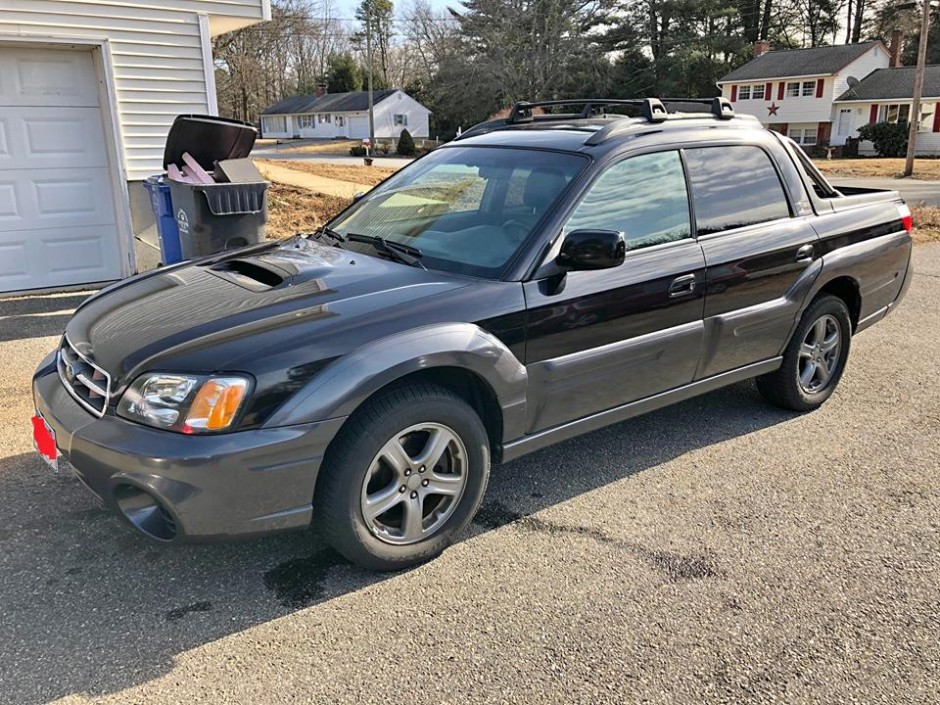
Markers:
point(720, 551)
point(912, 190)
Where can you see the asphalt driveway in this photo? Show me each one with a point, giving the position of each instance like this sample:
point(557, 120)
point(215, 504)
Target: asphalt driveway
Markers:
point(717, 551)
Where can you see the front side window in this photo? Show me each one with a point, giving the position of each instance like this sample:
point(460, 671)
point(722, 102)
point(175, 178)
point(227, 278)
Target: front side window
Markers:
point(733, 187)
point(803, 134)
point(340, 121)
point(401, 120)
point(793, 90)
point(809, 88)
point(744, 92)
point(468, 209)
point(757, 92)
point(306, 122)
point(643, 197)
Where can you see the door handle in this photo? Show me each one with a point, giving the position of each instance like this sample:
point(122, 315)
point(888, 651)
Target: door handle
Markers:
point(682, 286)
point(805, 253)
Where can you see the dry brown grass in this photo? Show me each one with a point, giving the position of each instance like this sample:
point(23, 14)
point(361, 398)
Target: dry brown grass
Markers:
point(333, 147)
point(924, 169)
point(293, 210)
point(367, 175)
point(926, 223)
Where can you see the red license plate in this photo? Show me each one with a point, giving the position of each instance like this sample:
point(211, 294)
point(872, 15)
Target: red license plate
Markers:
point(44, 440)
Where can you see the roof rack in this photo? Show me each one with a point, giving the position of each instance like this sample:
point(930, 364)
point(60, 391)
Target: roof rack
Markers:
point(650, 108)
point(653, 110)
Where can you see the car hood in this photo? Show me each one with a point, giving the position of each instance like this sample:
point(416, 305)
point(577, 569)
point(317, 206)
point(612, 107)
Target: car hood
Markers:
point(199, 315)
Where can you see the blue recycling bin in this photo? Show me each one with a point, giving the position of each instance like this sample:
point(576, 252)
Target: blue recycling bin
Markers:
point(167, 229)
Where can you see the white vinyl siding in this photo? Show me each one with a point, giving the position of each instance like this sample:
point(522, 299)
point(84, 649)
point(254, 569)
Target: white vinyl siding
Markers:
point(157, 58)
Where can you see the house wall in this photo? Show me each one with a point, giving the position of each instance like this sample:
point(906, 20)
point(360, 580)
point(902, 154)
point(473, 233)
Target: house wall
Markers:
point(158, 57)
point(789, 109)
point(875, 58)
point(928, 136)
point(402, 104)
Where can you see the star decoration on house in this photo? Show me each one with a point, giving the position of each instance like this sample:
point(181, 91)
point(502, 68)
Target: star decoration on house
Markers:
point(772, 109)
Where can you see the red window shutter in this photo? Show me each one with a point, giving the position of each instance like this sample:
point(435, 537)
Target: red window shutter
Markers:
point(819, 87)
point(936, 118)
point(767, 91)
point(734, 93)
point(780, 88)
point(873, 115)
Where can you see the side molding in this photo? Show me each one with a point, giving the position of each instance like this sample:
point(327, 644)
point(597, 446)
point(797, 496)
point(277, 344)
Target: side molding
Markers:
point(346, 383)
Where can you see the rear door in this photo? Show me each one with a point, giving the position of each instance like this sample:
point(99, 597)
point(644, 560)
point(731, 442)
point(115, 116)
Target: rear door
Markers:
point(757, 254)
point(600, 339)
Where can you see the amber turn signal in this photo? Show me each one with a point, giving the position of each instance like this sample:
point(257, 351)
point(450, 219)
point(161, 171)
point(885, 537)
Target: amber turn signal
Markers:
point(216, 405)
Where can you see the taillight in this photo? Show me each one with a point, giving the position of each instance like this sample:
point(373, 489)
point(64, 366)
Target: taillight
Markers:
point(906, 218)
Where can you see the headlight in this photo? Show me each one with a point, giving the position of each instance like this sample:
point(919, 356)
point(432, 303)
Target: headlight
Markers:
point(184, 403)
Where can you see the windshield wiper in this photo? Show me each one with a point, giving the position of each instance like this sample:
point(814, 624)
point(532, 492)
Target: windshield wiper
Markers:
point(394, 250)
point(328, 232)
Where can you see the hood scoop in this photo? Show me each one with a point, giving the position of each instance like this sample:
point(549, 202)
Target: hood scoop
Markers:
point(254, 274)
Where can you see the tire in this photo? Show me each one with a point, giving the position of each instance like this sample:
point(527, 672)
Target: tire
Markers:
point(792, 386)
point(364, 472)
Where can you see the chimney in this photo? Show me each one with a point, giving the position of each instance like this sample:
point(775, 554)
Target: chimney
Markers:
point(761, 48)
point(321, 90)
point(894, 48)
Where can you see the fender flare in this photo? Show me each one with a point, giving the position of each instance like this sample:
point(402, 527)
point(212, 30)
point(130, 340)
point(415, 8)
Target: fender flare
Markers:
point(343, 385)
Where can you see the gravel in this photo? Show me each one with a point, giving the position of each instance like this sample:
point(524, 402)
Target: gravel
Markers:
point(717, 551)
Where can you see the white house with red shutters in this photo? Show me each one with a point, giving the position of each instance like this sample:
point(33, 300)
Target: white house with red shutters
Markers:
point(795, 92)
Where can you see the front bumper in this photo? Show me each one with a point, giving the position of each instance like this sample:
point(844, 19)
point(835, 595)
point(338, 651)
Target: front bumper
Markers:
point(210, 487)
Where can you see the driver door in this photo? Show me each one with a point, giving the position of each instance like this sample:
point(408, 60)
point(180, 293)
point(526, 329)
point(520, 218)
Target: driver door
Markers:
point(608, 337)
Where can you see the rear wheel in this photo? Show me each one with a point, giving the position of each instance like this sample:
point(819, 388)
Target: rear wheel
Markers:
point(814, 359)
point(404, 478)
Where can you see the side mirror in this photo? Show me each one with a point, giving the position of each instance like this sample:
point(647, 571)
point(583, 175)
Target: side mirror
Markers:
point(592, 249)
point(358, 196)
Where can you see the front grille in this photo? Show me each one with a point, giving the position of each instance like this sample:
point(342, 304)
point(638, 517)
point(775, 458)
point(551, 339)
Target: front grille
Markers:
point(88, 383)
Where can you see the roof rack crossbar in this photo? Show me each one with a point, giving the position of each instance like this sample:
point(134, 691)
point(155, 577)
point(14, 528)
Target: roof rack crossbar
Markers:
point(721, 108)
point(650, 108)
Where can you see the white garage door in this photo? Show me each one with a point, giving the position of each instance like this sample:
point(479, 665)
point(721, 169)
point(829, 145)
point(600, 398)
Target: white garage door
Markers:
point(359, 127)
point(57, 218)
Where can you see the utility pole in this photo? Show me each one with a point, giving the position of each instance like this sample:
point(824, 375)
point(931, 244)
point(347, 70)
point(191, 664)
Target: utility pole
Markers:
point(918, 90)
point(369, 62)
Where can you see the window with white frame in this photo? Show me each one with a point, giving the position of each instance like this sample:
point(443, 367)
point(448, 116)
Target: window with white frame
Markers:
point(744, 92)
point(795, 89)
point(275, 123)
point(757, 92)
point(401, 120)
point(803, 134)
point(894, 113)
point(324, 118)
point(340, 120)
point(306, 122)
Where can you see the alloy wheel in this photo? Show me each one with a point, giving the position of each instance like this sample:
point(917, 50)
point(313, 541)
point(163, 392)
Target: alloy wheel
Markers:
point(819, 354)
point(414, 483)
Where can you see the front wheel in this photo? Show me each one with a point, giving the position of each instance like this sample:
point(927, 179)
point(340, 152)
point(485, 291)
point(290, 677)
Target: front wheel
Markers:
point(815, 358)
point(404, 478)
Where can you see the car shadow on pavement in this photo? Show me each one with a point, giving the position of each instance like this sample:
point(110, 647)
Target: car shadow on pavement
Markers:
point(37, 317)
point(91, 607)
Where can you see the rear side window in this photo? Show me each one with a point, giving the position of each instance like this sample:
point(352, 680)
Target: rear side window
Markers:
point(733, 187)
point(644, 197)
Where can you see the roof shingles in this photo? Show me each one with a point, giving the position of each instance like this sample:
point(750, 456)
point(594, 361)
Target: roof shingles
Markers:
point(816, 61)
point(356, 101)
point(887, 84)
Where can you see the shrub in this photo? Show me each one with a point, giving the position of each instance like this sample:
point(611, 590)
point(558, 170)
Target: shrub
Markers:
point(890, 140)
point(406, 144)
point(357, 150)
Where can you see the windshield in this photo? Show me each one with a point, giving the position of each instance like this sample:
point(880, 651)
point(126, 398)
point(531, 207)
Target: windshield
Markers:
point(467, 209)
